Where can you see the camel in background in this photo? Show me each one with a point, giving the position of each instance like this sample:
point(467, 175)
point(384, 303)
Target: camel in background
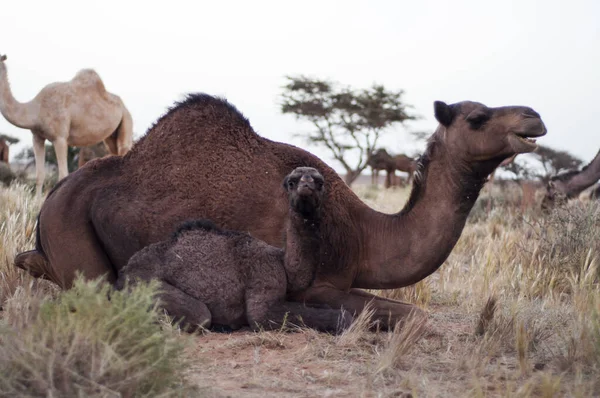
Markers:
point(405, 164)
point(568, 185)
point(3, 150)
point(79, 112)
point(382, 160)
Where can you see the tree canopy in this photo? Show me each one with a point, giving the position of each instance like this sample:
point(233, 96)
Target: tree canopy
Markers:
point(348, 122)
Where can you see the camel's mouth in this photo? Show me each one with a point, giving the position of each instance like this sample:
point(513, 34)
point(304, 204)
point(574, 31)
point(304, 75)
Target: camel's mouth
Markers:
point(523, 142)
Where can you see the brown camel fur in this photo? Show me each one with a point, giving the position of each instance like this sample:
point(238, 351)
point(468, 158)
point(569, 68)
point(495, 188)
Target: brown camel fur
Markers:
point(79, 112)
point(568, 185)
point(88, 153)
point(216, 277)
point(97, 218)
point(3, 151)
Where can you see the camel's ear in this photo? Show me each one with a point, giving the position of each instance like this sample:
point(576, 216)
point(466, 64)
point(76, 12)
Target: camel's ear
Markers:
point(443, 113)
point(2, 58)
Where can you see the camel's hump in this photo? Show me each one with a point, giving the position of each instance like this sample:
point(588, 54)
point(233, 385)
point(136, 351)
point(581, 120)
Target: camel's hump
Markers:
point(89, 77)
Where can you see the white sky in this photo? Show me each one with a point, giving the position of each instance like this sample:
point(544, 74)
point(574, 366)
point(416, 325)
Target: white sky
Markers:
point(544, 54)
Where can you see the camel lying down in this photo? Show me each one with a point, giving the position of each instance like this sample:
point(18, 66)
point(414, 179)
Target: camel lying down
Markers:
point(211, 276)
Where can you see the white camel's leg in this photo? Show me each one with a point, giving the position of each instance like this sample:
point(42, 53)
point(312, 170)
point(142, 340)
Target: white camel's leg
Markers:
point(40, 164)
point(111, 144)
point(125, 133)
point(62, 151)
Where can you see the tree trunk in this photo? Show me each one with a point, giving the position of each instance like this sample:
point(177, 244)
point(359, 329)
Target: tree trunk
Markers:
point(351, 176)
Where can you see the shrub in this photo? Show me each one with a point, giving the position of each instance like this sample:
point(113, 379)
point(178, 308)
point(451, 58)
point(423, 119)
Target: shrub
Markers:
point(85, 344)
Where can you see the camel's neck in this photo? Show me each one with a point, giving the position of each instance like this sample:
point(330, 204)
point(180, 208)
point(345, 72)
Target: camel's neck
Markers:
point(19, 114)
point(587, 177)
point(406, 247)
point(301, 251)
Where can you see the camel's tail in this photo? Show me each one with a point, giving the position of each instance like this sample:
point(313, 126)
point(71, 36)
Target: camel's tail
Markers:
point(33, 262)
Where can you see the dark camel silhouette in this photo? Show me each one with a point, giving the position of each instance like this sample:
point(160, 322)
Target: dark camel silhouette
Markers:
point(405, 164)
point(227, 278)
point(3, 150)
point(203, 160)
point(568, 185)
point(380, 160)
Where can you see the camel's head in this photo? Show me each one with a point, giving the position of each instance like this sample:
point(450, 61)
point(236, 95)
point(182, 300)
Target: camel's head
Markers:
point(305, 188)
point(475, 133)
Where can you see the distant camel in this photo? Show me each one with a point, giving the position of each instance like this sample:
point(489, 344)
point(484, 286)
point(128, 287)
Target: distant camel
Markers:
point(405, 164)
point(380, 160)
point(88, 153)
point(595, 193)
point(568, 185)
point(79, 112)
point(228, 278)
point(202, 159)
point(3, 150)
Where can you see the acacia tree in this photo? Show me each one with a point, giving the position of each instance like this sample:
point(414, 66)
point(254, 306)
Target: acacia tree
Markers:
point(555, 161)
point(348, 122)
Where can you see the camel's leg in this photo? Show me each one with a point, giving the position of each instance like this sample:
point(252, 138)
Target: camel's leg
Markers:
point(62, 151)
point(192, 312)
point(268, 314)
point(40, 163)
point(386, 312)
point(111, 144)
point(125, 133)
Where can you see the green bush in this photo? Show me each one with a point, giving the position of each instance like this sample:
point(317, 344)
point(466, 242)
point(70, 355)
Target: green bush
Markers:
point(85, 344)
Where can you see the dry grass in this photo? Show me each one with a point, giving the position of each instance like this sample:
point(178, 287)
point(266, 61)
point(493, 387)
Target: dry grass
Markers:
point(514, 311)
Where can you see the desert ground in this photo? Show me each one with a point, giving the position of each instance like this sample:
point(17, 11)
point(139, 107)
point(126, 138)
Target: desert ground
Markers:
point(513, 312)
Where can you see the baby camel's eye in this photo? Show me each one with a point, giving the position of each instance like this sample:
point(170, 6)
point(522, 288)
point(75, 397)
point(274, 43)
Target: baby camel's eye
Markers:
point(291, 184)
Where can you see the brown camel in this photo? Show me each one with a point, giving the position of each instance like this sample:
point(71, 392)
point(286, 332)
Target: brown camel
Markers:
point(380, 160)
point(595, 193)
point(228, 278)
point(96, 219)
point(405, 164)
point(568, 185)
point(3, 150)
point(79, 112)
point(88, 153)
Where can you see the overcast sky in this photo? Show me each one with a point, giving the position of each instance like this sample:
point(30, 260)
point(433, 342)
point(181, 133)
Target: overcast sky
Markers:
point(544, 54)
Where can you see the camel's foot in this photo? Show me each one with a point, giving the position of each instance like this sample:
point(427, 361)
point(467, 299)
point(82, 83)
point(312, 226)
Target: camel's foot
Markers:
point(387, 313)
point(283, 314)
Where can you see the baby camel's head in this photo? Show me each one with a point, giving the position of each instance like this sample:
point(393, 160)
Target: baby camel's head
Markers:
point(305, 191)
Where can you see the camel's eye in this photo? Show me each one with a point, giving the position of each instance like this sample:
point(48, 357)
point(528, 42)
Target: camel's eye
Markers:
point(291, 184)
point(477, 118)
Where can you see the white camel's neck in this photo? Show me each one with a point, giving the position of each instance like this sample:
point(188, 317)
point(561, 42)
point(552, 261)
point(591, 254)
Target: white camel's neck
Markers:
point(20, 114)
point(406, 247)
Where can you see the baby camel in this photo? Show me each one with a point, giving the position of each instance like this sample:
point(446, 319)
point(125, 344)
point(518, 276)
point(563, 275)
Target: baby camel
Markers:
point(213, 277)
